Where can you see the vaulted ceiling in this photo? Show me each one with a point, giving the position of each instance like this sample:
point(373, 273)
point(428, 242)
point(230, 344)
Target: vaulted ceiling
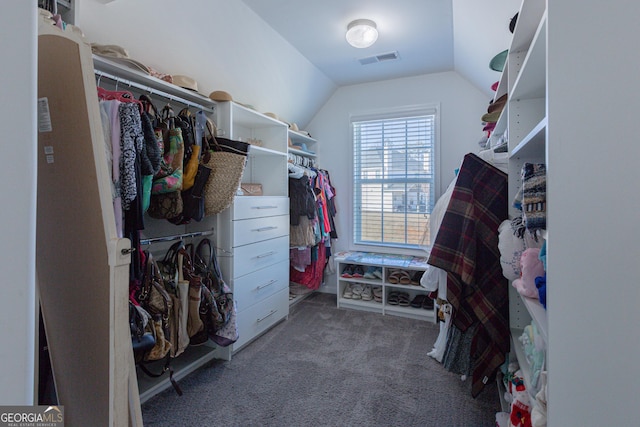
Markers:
point(429, 36)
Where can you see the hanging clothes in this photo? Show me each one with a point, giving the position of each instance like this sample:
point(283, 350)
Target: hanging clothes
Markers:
point(466, 247)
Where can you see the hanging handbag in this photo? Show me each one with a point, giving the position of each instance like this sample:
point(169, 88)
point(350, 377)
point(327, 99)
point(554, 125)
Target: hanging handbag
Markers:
point(186, 122)
point(155, 299)
point(221, 319)
point(226, 159)
point(141, 340)
point(178, 289)
point(188, 274)
point(167, 206)
point(153, 295)
point(193, 198)
point(169, 178)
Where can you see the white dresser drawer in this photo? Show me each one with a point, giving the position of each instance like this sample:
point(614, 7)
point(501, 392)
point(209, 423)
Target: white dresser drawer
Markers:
point(249, 258)
point(245, 207)
point(254, 287)
point(260, 317)
point(253, 230)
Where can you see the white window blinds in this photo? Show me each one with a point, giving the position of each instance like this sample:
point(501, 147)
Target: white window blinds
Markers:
point(394, 179)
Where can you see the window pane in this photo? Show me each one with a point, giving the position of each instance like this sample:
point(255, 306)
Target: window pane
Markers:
point(393, 180)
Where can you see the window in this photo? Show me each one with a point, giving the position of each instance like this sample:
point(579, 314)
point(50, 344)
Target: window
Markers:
point(394, 179)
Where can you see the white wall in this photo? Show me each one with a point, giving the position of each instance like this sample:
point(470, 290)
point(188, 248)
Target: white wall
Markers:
point(480, 31)
point(223, 44)
point(461, 106)
point(17, 228)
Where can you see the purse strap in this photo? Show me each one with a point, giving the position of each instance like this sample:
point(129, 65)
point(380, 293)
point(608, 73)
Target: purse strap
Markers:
point(167, 116)
point(212, 264)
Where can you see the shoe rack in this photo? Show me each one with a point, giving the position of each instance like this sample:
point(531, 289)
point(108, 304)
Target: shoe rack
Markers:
point(396, 295)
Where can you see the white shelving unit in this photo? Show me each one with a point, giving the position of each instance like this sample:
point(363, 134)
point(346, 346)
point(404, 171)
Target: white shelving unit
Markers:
point(386, 264)
point(253, 233)
point(267, 160)
point(524, 120)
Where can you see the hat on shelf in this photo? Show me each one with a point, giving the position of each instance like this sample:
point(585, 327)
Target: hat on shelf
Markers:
point(276, 117)
point(185, 82)
point(220, 96)
point(491, 117)
point(118, 54)
point(302, 146)
point(294, 127)
point(489, 127)
point(498, 104)
point(498, 61)
point(512, 23)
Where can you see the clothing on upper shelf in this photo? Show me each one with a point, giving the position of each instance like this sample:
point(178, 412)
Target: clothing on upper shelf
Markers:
point(534, 196)
point(466, 247)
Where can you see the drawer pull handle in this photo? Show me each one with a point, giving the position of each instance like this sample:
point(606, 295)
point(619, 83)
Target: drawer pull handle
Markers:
point(264, 207)
point(271, 282)
point(265, 228)
point(266, 255)
point(271, 313)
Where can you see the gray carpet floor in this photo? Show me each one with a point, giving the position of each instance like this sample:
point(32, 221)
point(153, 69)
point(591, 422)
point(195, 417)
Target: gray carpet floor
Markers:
point(325, 366)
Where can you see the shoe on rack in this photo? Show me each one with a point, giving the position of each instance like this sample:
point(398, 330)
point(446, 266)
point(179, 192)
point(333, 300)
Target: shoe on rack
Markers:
point(348, 292)
point(357, 290)
point(368, 274)
point(392, 298)
point(367, 293)
point(377, 272)
point(415, 278)
point(358, 272)
point(377, 293)
point(403, 299)
point(427, 304)
point(418, 300)
point(347, 271)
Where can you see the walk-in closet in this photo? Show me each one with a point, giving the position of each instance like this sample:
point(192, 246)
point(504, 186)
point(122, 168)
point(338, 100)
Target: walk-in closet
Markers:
point(257, 212)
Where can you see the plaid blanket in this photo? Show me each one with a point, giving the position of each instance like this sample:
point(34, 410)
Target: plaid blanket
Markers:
point(466, 247)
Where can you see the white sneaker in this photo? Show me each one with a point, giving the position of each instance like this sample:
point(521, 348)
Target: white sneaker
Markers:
point(357, 290)
point(367, 293)
point(348, 292)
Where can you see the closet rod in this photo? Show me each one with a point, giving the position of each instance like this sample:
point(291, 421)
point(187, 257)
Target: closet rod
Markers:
point(175, 237)
point(152, 91)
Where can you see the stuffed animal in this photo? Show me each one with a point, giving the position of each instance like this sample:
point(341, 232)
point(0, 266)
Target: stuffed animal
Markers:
point(511, 247)
point(531, 268)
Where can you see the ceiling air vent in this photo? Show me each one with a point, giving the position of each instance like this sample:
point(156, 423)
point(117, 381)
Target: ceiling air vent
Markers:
point(379, 58)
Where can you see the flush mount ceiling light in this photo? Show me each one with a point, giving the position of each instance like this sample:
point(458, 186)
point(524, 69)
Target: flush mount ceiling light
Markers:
point(362, 33)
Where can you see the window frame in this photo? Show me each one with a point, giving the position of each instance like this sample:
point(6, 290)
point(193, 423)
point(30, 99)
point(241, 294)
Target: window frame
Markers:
point(390, 114)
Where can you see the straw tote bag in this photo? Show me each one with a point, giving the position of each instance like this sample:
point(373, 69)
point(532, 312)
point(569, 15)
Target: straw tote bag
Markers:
point(226, 159)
